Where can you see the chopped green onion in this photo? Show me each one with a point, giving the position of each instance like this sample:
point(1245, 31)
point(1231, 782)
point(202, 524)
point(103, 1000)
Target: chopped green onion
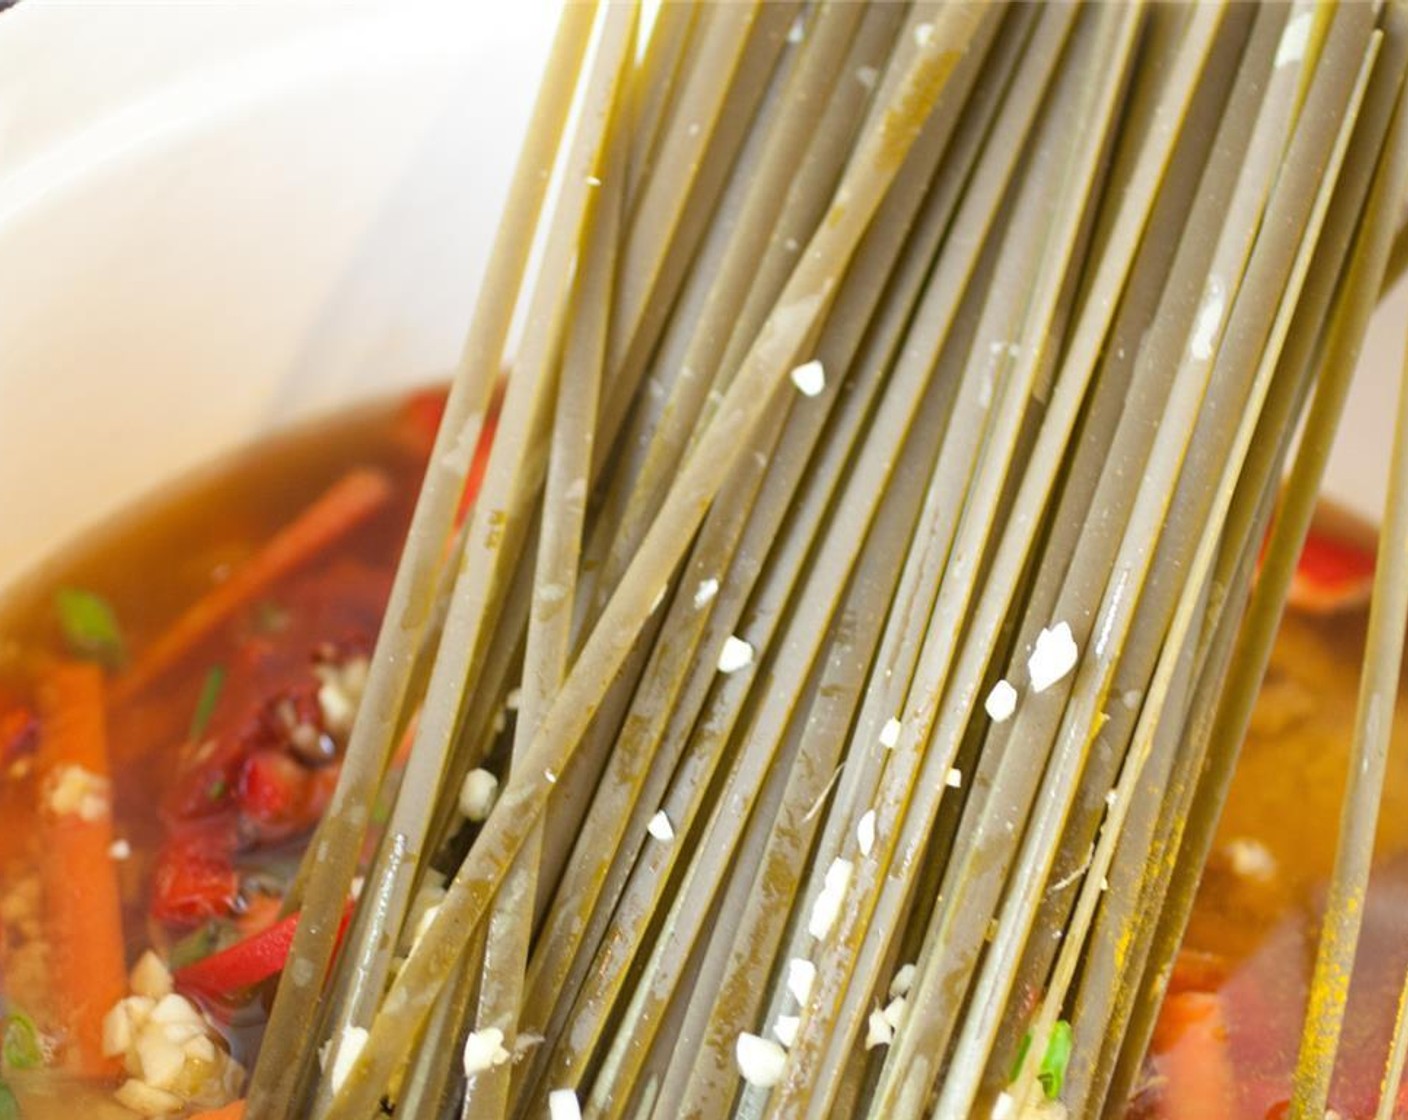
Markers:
point(1052, 1073)
point(1021, 1058)
point(90, 626)
point(195, 946)
point(205, 705)
point(9, 1106)
point(217, 790)
point(22, 1048)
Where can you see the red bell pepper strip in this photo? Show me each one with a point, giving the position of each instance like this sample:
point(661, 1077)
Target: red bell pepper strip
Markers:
point(248, 962)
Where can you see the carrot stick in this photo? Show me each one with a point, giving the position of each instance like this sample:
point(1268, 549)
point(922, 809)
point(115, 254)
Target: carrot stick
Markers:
point(1191, 1048)
point(350, 501)
point(232, 1111)
point(82, 902)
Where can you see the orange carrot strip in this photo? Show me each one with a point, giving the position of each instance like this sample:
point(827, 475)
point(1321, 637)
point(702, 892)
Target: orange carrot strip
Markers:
point(349, 502)
point(1191, 1052)
point(232, 1111)
point(82, 901)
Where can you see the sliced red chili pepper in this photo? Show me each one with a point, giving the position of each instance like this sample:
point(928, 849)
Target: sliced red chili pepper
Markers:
point(189, 887)
point(272, 789)
point(248, 962)
point(1332, 574)
point(279, 797)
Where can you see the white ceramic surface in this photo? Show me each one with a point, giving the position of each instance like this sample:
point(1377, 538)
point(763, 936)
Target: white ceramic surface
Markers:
point(1357, 476)
point(218, 217)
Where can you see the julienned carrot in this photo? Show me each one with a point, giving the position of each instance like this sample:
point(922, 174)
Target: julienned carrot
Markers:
point(232, 1111)
point(1191, 1043)
point(349, 502)
point(81, 899)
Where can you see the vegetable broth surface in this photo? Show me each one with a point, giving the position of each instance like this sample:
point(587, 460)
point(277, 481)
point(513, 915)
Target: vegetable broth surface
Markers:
point(185, 749)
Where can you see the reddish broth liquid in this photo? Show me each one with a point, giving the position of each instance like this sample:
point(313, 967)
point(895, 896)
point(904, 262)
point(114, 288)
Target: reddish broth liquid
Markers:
point(1249, 945)
point(150, 564)
point(1251, 939)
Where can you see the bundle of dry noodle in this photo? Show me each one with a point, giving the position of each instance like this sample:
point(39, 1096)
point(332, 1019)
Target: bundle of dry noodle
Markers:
point(862, 581)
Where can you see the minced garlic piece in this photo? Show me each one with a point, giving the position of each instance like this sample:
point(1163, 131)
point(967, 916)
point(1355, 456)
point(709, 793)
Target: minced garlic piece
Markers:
point(865, 832)
point(147, 1100)
point(890, 734)
point(827, 907)
point(563, 1105)
point(785, 1029)
point(159, 1055)
point(166, 1047)
point(74, 791)
point(1251, 859)
point(477, 794)
point(878, 1031)
point(894, 1012)
point(176, 1009)
point(902, 980)
point(483, 1050)
point(736, 654)
point(1053, 656)
point(761, 1061)
point(1001, 702)
point(800, 974)
point(340, 693)
point(150, 977)
point(809, 378)
point(661, 828)
point(121, 1023)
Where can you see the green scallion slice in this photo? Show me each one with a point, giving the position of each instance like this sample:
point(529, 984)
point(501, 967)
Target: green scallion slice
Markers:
point(22, 1048)
point(89, 626)
point(210, 691)
point(1052, 1072)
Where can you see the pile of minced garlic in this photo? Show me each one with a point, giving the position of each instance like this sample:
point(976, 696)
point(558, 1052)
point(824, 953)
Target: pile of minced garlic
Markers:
point(172, 1056)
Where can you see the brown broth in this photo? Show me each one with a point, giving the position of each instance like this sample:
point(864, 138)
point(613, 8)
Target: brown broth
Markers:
point(150, 563)
point(1260, 903)
point(1258, 907)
